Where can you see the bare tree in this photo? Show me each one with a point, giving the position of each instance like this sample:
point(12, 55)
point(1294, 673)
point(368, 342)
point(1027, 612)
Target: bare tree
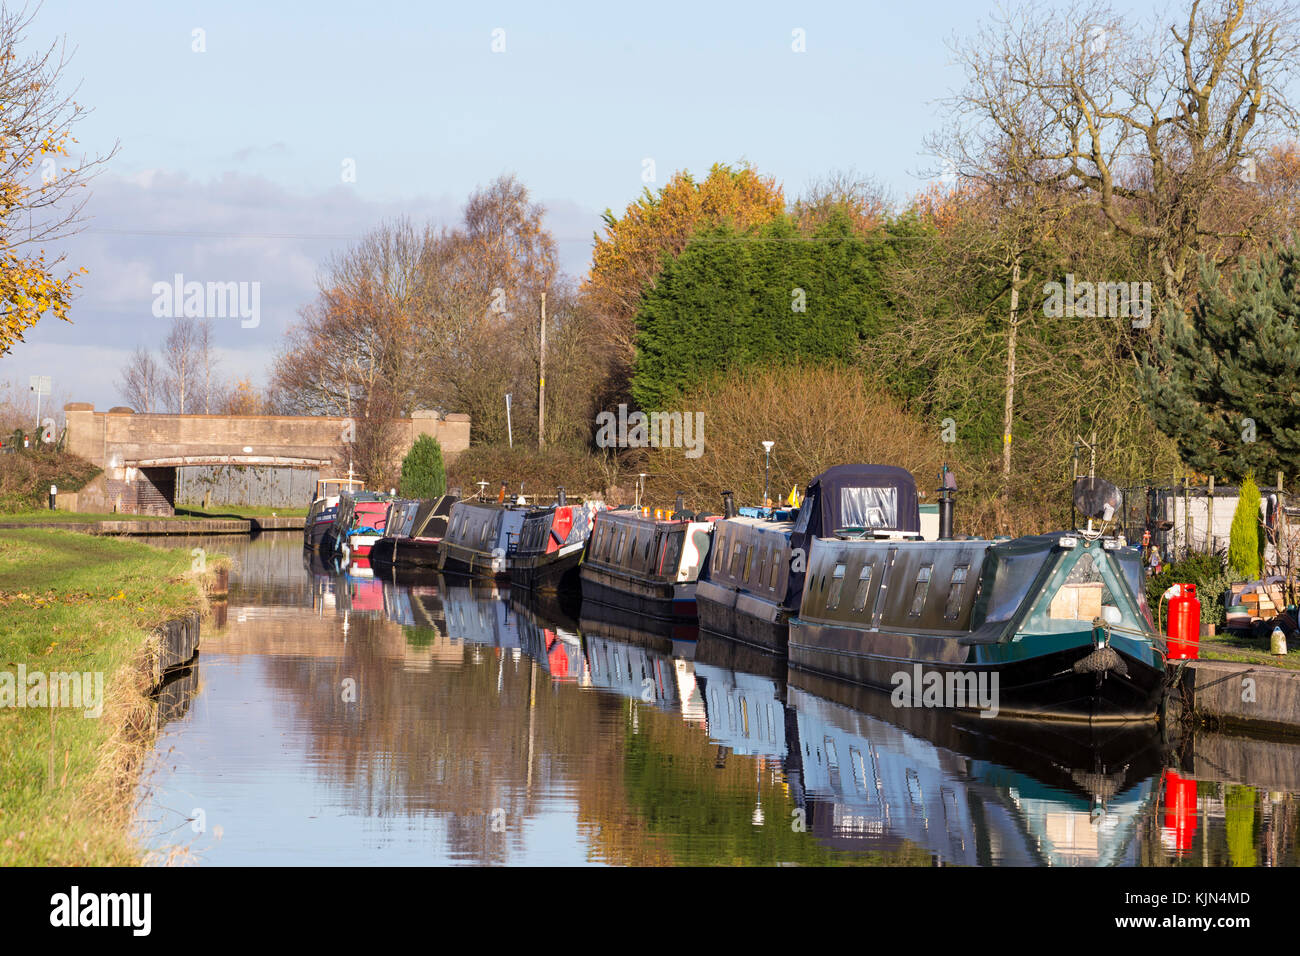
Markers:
point(142, 382)
point(1154, 129)
point(181, 360)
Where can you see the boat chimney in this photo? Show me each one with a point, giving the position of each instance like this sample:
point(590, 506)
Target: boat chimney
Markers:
point(559, 497)
point(947, 495)
point(728, 504)
point(681, 503)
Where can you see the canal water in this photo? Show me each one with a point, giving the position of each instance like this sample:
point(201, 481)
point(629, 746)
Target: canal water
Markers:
point(334, 720)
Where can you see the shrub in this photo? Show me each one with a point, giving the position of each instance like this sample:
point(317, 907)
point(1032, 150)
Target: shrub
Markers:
point(1207, 572)
point(1243, 542)
point(26, 475)
point(423, 474)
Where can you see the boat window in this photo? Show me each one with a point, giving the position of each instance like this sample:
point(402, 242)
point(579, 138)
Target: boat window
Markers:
point(487, 529)
point(956, 588)
point(778, 555)
point(869, 507)
point(837, 585)
point(672, 552)
point(1129, 561)
point(1012, 575)
point(735, 560)
point(618, 545)
point(922, 590)
point(749, 560)
point(719, 549)
point(763, 555)
point(1082, 595)
point(864, 586)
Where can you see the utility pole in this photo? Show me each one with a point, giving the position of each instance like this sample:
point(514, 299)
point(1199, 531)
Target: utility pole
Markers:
point(541, 383)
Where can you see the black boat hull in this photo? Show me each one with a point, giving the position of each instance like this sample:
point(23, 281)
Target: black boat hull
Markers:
point(742, 617)
point(1047, 687)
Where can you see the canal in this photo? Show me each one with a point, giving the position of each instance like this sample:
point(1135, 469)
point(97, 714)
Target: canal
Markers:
point(334, 720)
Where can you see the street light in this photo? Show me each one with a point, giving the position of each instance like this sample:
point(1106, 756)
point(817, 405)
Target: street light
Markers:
point(767, 472)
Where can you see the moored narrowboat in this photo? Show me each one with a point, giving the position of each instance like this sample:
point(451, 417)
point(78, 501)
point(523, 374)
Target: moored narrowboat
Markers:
point(549, 549)
point(646, 565)
point(755, 577)
point(325, 506)
point(1047, 626)
point(480, 535)
point(413, 534)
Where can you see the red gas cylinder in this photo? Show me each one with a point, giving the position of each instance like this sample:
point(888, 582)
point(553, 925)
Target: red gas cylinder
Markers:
point(1184, 623)
point(1179, 826)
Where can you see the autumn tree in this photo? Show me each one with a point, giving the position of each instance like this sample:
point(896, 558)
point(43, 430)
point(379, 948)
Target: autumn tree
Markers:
point(633, 248)
point(42, 186)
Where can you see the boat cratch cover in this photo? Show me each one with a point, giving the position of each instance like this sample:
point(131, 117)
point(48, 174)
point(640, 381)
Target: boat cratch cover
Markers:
point(863, 496)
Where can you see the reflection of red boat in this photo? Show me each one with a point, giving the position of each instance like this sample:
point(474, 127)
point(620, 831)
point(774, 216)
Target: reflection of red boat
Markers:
point(367, 595)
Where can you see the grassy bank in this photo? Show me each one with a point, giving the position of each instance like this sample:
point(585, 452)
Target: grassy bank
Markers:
point(76, 603)
point(46, 516)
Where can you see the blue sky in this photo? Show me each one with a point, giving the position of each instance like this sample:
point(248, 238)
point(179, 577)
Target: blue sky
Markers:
point(230, 161)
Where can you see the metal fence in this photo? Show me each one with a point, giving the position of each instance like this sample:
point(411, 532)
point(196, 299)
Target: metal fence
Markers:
point(258, 485)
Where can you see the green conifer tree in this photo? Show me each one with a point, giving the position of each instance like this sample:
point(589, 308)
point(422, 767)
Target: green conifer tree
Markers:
point(1224, 381)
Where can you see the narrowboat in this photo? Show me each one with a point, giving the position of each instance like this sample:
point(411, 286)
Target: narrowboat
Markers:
point(413, 534)
point(1049, 626)
point(325, 506)
point(646, 565)
point(357, 526)
point(755, 577)
point(480, 535)
point(549, 548)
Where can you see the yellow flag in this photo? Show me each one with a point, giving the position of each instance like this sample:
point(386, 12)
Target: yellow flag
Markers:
point(794, 496)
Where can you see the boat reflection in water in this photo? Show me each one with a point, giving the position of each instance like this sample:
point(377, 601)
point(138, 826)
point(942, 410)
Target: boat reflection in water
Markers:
point(1018, 794)
point(624, 658)
point(477, 611)
point(550, 637)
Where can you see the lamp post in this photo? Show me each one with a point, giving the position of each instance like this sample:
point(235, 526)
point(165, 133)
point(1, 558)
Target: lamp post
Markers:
point(767, 472)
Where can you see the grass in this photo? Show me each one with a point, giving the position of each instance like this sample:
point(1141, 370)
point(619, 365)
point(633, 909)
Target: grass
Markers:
point(73, 602)
point(46, 516)
point(1247, 650)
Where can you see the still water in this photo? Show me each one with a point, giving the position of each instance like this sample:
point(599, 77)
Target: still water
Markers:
point(335, 720)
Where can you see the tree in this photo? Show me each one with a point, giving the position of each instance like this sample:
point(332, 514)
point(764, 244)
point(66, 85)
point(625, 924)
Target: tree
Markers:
point(1155, 131)
point(628, 257)
point(36, 123)
point(769, 295)
point(1243, 540)
point(1224, 380)
point(181, 358)
point(142, 382)
point(423, 474)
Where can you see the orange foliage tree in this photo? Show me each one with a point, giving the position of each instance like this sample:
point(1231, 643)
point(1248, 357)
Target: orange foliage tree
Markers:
point(40, 199)
point(657, 226)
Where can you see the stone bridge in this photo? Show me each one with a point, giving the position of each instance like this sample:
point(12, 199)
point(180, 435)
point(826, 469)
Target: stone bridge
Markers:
point(152, 462)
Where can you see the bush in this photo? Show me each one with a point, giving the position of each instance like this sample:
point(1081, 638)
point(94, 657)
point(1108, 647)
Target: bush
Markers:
point(539, 472)
point(1207, 572)
point(26, 475)
point(1243, 542)
point(423, 474)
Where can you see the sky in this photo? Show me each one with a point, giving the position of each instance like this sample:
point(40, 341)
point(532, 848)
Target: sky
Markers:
point(237, 126)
